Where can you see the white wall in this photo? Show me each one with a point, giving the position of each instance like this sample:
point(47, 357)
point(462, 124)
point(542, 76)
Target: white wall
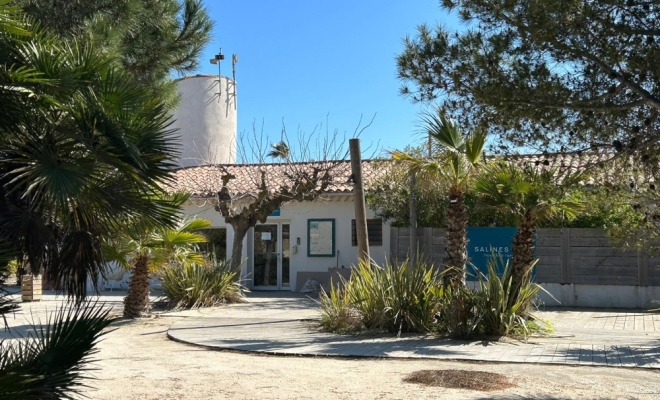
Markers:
point(297, 214)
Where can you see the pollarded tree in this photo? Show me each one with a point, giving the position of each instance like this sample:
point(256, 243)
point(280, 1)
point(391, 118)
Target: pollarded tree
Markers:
point(305, 173)
point(460, 157)
point(532, 196)
point(564, 75)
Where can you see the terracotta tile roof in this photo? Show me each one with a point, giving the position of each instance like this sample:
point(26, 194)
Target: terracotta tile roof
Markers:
point(567, 163)
point(206, 181)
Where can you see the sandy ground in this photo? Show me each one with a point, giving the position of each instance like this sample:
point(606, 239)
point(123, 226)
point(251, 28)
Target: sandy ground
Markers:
point(138, 361)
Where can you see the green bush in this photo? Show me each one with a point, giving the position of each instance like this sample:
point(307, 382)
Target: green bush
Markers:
point(411, 298)
point(12, 267)
point(191, 285)
point(392, 298)
point(459, 314)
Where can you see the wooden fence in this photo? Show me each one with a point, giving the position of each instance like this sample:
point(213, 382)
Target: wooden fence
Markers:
point(567, 255)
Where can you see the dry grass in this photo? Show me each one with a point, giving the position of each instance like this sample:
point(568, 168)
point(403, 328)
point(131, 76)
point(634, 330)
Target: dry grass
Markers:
point(460, 379)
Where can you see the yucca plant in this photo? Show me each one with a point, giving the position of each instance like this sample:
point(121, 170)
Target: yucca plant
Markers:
point(502, 313)
point(337, 314)
point(52, 361)
point(195, 285)
point(395, 298)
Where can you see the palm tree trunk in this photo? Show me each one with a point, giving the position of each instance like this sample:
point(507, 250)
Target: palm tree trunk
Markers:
point(456, 239)
point(136, 303)
point(523, 255)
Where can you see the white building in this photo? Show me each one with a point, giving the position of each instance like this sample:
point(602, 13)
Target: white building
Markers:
point(302, 240)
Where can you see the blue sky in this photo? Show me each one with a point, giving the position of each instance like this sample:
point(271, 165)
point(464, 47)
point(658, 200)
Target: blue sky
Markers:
point(303, 61)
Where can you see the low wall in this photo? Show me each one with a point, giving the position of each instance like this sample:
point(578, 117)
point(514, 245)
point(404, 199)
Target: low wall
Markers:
point(600, 296)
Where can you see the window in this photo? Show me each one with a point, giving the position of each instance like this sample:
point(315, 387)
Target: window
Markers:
point(216, 242)
point(321, 237)
point(374, 230)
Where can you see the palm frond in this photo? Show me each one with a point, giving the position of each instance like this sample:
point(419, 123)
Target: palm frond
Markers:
point(474, 146)
point(194, 224)
point(12, 20)
point(443, 130)
point(52, 362)
point(280, 150)
point(506, 187)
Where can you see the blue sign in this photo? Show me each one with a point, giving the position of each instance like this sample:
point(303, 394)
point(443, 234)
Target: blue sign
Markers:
point(275, 213)
point(483, 243)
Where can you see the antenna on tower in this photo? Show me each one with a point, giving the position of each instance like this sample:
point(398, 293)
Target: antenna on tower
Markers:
point(234, 60)
point(217, 60)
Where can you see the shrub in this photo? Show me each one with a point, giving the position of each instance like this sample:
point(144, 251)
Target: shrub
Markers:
point(503, 316)
point(394, 298)
point(459, 314)
point(337, 315)
point(192, 285)
point(12, 268)
point(411, 298)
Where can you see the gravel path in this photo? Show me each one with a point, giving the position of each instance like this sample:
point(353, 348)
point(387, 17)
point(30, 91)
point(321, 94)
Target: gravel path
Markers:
point(138, 361)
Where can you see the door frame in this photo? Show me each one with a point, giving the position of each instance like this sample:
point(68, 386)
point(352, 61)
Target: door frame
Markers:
point(280, 255)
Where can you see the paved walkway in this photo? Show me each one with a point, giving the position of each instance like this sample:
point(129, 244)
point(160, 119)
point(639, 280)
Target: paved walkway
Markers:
point(275, 323)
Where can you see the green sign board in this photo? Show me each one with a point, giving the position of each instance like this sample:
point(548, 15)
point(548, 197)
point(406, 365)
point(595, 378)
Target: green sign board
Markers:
point(484, 242)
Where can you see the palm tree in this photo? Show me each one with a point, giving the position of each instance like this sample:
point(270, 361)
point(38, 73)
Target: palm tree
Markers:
point(83, 148)
point(531, 196)
point(280, 150)
point(459, 158)
point(143, 251)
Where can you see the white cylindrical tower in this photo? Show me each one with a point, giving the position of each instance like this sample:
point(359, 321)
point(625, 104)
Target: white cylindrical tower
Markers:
point(206, 120)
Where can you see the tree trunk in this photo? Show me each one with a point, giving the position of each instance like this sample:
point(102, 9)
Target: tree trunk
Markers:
point(456, 239)
point(523, 255)
point(136, 303)
point(237, 248)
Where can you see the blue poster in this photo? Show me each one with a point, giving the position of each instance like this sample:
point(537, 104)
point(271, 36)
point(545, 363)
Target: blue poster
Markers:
point(483, 243)
point(275, 213)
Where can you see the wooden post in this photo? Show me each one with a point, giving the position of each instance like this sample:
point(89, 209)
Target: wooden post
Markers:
point(394, 245)
point(358, 200)
point(412, 251)
point(565, 253)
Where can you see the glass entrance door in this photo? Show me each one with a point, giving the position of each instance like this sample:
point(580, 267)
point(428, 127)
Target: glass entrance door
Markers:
point(271, 256)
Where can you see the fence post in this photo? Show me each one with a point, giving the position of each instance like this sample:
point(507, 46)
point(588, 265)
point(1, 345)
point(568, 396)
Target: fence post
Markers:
point(565, 252)
point(414, 243)
point(394, 244)
point(642, 268)
point(428, 245)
